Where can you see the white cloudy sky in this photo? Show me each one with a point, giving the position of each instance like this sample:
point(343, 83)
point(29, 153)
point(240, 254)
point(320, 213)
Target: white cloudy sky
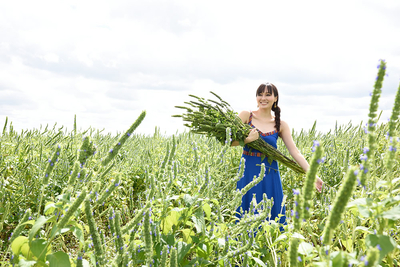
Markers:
point(106, 61)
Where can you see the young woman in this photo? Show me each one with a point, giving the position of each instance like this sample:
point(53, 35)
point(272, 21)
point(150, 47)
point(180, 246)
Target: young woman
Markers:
point(269, 127)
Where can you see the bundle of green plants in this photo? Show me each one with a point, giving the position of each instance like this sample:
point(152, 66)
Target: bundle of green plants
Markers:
point(214, 118)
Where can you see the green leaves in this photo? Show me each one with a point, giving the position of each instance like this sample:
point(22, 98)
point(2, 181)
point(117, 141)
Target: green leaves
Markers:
point(192, 197)
point(17, 244)
point(170, 221)
point(59, 259)
point(182, 249)
point(305, 249)
point(198, 220)
point(36, 227)
point(38, 251)
point(385, 244)
point(392, 214)
point(38, 248)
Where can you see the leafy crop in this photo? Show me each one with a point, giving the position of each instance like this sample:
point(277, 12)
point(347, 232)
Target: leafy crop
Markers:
point(171, 200)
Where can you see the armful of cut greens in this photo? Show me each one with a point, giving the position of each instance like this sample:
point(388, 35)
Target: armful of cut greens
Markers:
point(212, 118)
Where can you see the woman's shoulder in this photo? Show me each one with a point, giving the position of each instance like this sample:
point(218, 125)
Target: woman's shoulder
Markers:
point(284, 126)
point(244, 116)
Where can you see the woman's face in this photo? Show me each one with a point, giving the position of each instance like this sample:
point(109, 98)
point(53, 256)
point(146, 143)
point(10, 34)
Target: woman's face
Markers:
point(265, 99)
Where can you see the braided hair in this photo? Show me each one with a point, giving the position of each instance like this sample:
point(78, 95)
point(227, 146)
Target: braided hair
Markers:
point(275, 108)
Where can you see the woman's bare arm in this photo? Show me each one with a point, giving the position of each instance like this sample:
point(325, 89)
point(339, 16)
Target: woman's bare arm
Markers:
point(287, 138)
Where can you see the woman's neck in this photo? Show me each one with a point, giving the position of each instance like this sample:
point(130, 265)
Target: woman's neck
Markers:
point(264, 114)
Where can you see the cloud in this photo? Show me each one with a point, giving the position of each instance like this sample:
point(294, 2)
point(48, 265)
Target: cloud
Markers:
point(106, 62)
point(11, 100)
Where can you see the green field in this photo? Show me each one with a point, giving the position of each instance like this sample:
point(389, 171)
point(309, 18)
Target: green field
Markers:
point(77, 198)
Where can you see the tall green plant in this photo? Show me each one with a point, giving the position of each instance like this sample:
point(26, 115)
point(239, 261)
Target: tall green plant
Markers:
point(372, 121)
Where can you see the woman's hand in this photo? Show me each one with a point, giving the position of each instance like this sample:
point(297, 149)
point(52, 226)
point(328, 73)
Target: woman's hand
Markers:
point(253, 135)
point(318, 184)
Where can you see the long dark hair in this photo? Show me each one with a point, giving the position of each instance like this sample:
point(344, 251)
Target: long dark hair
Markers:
point(276, 109)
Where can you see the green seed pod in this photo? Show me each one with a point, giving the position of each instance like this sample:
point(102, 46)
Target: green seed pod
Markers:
point(174, 258)
point(164, 256)
point(294, 245)
point(243, 248)
point(5, 126)
point(111, 221)
point(164, 161)
point(87, 150)
point(79, 262)
point(107, 192)
point(253, 205)
point(220, 218)
point(5, 212)
point(152, 186)
point(147, 238)
point(152, 192)
point(94, 234)
point(132, 223)
point(237, 199)
point(17, 231)
point(363, 176)
point(119, 243)
point(196, 157)
point(102, 237)
point(157, 234)
point(372, 119)
point(394, 121)
point(74, 174)
point(342, 198)
point(346, 161)
point(297, 214)
point(105, 172)
point(95, 191)
point(181, 107)
point(172, 154)
point(228, 138)
point(390, 157)
point(375, 96)
point(78, 201)
point(241, 171)
point(114, 151)
point(226, 247)
point(176, 169)
point(86, 245)
point(372, 257)
point(50, 165)
point(132, 236)
point(82, 174)
point(252, 220)
point(117, 262)
point(394, 118)
point(125, 258)
point(131, 249)
point(212, 227)
point(245, 259)
point(308, 189)
point(255, 181)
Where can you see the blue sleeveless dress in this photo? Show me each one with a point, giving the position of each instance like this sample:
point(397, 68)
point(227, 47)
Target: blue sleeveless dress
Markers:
point(271, 184)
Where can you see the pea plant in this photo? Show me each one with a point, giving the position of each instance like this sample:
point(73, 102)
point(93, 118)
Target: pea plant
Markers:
point(86, 198)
